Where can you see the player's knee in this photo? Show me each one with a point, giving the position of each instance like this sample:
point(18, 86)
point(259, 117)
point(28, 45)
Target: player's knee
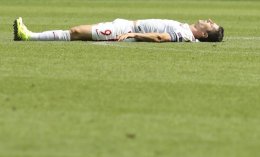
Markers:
point(75, 33)
point(75, 30)
point(81, 33)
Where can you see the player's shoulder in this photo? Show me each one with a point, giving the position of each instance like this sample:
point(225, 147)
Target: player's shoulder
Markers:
point(186, 33)
point(183, 32)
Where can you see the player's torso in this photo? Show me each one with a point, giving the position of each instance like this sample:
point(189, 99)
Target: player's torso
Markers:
point(163, 26)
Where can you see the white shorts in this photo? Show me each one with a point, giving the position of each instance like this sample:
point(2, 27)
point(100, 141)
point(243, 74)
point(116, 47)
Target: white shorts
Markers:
point(109, 31)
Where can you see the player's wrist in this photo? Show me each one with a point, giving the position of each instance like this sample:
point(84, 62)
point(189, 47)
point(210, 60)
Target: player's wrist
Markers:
point(135, 35)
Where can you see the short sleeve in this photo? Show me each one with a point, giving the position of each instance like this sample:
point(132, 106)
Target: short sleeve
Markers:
point(175, 37)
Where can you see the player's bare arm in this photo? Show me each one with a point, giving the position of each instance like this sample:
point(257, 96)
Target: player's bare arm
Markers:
point(146, 37)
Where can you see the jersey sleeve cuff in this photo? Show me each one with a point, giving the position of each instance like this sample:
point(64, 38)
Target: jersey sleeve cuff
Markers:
point(173, 36)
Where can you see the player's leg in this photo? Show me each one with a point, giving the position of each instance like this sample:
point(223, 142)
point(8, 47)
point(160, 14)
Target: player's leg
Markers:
point(22, 33)
point(76, 33)
point(98, 32)
point(54, 35)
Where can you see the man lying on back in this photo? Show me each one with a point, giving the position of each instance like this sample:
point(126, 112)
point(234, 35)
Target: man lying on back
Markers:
point(148, 30)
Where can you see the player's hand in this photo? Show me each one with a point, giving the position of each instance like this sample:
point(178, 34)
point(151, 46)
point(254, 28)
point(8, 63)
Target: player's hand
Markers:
point(125, 36)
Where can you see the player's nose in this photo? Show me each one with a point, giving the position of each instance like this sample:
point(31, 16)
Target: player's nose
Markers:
point(210, 21)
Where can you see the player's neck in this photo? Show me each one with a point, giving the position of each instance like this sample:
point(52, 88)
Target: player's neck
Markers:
point(195, 31)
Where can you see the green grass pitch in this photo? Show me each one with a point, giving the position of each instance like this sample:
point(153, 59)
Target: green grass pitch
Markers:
point(109, 99)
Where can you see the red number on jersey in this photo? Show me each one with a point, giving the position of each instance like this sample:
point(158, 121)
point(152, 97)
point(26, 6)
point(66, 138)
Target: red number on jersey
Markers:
point(106, 32)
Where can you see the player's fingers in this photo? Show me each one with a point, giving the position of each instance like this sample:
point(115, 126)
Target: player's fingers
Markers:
point(119, 37)
point(122, 37)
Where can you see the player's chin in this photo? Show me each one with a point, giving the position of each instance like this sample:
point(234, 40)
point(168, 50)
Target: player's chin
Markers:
point(199, 22)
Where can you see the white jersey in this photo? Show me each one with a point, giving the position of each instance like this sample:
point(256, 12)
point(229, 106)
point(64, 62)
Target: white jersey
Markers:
point(179, 32)
point(109, 31)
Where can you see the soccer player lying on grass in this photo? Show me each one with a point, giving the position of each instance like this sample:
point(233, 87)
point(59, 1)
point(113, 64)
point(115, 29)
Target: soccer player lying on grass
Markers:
point(149, 30)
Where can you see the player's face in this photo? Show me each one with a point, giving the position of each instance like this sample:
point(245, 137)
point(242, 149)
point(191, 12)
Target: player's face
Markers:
point(206, 25)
